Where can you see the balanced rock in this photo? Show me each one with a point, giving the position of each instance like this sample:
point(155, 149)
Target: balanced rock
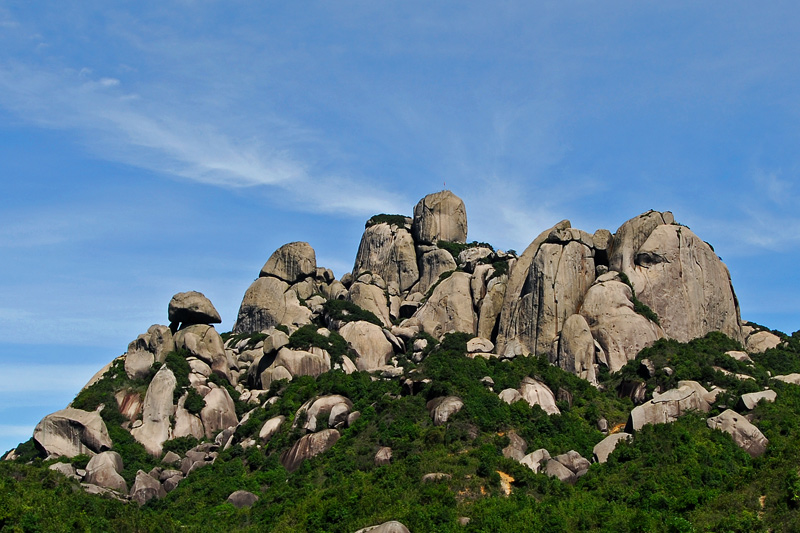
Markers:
point(291, 262)
point(438, 217)
point(745, 435)
point(309, 446)
point(72, 432)
point(188, 308)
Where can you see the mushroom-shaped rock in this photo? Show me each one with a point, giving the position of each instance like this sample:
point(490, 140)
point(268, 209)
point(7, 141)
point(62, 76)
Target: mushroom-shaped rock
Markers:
point(745, 435)
point(219, 412)
point(158, 408)
point(388, 250)
point(270, 428)
point(192, 307)
point(308, 446)
point(678, 276)
point(666, 408)
point(547, 285)
point(442, 408)
point(448, 309)
point(537, 393)
point(621, 332)
point(145, 488)
point(750, 400)
point(242, 498)
point(103, 470)
point(369, 342)
point(383, 456)
point(438, 217)
point(392, 526)
point(535, 459)
point(576, 349)
point(291, 262)
point(72, 432)
point(603, 449)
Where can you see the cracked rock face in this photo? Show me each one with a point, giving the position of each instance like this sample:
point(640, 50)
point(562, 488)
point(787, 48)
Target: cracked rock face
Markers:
point(678, 276)
point(388, 251)
point(291, 262)
point(440, 216)
point(72, 432)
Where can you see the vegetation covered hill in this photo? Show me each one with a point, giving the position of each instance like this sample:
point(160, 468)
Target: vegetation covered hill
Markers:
point(671, 477)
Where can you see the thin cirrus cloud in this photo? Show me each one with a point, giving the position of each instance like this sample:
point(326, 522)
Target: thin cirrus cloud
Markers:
point(127, 128)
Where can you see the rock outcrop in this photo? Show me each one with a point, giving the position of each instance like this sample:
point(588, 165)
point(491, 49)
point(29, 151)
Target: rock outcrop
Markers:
point(104, 470)
point(309, 446)
point(158, 408)
point(388, 251)
point(667, 407)
point(745, 434)
point(189, 308)
point(291, 262)
point(72, 432)
point(438, 217)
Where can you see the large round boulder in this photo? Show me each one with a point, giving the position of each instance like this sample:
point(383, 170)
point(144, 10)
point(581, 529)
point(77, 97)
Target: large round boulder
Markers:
point(388, 251)
point(440, 216)
point(72, 432)
point(308, 446)
point(291, 262)
point(192, 307)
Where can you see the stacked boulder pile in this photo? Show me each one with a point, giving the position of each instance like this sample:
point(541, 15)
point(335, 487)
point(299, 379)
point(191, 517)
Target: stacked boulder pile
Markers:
point(574, 297)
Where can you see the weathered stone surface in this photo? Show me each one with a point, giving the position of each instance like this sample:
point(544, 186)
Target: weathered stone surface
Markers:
point(442, 408)
point(605, 447)
point(449, 308)
point(270, 428)
point(388, 250)
point(666, 408)
point(745, 435)
point(158, 408)
point(681, 278)
point(369, 342)
point(546, 286)
point(145, 488)
point(534, 460)
point(432, 265)
point(516, 447)
point(309, 446)
point(186, 423)
point(435, 477)
point(291, 262)
point(789, 378)
point(371, 298)
point(242, 498)
point(740, 356)
point(204, 343)
point(574, 461)
point(510, 396)
point(129, 403)
point(269, 302)
point(192, 307)
point(440, 216)
point(555, 469)
point(491, 306)
point(387, 527)
point(103, 470)
point(383, 456)
point(303, 363)
point(749, 401)
point(219, 412)
point(621, 332)
point(761, 341)
point(537, 393)
point(277, 340)
point(321, 408)
point(63, 468)
point(576, 350)
point(479, 344)
point(274, 373)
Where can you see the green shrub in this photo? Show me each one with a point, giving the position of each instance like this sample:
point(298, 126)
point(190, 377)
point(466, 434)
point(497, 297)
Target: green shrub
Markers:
point(392, 220)
point(638, 305)
point(455, 248)
point(180, 445)
point(307, 337)
point(194, 402)
point(345, 311)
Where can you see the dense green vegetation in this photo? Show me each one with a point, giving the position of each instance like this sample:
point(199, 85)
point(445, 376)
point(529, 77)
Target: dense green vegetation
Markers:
point(639, 306)
point(455, 248)
point(346, 311)
point(392, 220)
point(675, 477)
point(307, 337)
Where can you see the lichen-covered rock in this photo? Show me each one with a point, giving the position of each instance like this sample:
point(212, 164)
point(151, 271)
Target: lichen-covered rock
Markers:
point(309, 446)
point(291, 262)
point(72, 432)
point(158, 408)
point(370, 344)
point(449, 308)
point(439, 216)
point(745, 435)
point(192, 307)
point(388, 251)
point(609, 312)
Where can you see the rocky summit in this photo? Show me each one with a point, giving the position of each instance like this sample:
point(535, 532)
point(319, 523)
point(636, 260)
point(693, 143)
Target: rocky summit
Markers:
point(597, 380)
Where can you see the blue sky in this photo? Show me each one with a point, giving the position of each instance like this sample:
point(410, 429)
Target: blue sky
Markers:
point(149, 148)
